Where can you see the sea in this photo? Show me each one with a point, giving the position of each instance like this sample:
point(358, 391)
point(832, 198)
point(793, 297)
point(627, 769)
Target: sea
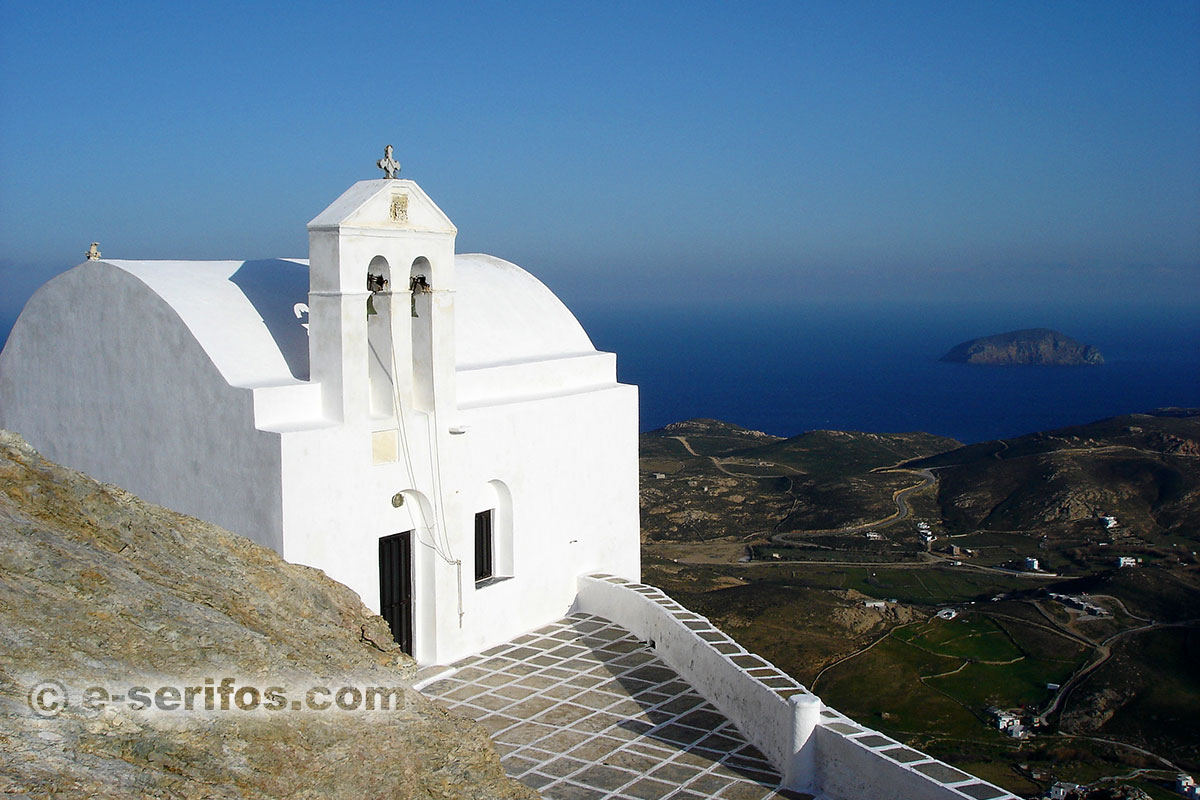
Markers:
point(790, 369)
point(787, 370)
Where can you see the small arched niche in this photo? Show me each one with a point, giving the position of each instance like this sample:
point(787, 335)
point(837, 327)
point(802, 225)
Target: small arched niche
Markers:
point(381, 361)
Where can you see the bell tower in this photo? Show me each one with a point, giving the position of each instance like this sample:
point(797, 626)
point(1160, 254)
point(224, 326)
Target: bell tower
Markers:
point(381, 300)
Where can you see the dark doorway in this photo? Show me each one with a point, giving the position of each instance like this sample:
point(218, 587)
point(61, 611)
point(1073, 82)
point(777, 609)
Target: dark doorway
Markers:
point(483, 546)
point(395, 587)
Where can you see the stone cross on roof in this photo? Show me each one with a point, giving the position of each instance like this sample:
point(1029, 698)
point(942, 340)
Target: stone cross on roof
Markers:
point(389, 165)
point(93, 253)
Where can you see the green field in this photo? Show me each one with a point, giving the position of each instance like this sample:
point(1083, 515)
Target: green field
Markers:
point(899, 702)
point(972, 637)
point(928, 586)
point(971, 661)
point(1007, 686)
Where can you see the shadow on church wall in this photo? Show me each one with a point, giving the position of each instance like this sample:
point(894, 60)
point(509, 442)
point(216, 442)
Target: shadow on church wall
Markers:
point(275, 287)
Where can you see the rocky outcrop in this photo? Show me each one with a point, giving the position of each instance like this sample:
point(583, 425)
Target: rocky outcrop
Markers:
point(715, 427)
point(856, 617)
point(1176, 445)
point(1035, 346)
point(100, 589)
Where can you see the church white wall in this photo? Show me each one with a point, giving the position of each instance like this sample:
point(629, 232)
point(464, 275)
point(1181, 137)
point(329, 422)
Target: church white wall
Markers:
point(338, 504)
point(100, 374)
point(505, 383)
point(568, 463)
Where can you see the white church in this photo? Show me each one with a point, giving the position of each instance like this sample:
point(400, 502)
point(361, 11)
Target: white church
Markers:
point(434, 430)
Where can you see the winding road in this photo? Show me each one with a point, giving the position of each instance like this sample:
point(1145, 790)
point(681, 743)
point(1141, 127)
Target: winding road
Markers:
point(899, 497)
point(719, 463)
point(1105, 651)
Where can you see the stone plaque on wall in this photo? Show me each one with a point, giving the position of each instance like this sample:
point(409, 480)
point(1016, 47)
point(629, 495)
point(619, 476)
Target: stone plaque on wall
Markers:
point(399, 208)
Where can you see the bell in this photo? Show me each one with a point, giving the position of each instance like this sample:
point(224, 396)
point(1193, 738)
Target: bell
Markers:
point(371, 312)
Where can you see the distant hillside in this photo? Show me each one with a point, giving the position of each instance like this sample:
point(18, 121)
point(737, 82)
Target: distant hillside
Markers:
point(703, 479)
point(844, 453)
point(1031, 347)
point(98, 588)
point(706, 479)
point(1144, 469)
point(904, 595)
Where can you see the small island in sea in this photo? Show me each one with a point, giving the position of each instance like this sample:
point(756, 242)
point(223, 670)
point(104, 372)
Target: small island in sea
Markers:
point(1033, 346)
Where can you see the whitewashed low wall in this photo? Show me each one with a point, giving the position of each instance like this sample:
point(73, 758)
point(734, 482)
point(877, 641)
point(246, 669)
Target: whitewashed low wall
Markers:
point(750, 691)
point(816, 748)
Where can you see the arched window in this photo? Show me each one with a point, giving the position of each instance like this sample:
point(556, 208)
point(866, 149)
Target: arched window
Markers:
point(493, 534)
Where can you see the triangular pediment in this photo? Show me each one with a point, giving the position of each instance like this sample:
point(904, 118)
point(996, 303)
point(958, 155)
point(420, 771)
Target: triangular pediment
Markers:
point(384, 204)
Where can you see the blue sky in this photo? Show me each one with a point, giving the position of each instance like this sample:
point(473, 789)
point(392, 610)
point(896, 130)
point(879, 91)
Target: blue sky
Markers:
point(690, 153)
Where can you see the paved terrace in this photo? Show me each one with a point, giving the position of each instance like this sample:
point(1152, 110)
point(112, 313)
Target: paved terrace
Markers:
point(582, 710)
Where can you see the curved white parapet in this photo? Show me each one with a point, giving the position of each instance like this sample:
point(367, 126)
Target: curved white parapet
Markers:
point(818, 749)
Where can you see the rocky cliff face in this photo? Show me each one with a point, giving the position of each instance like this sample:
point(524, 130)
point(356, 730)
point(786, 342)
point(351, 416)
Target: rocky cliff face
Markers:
point(1035, 346)
point(99, 590)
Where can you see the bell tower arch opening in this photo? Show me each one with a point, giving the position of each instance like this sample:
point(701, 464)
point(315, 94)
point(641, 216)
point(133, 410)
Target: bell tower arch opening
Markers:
point(381, 358)
point(420, 283)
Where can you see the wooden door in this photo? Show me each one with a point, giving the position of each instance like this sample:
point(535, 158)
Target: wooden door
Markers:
point(395, 587)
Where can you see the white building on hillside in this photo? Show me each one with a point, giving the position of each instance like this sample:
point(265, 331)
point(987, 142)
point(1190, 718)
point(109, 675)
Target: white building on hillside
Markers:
point(434, 430)
point(437, 432)
point(1063, 790)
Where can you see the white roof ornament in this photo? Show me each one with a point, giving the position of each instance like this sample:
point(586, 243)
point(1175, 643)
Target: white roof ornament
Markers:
point(93, 252)
point(389, 165)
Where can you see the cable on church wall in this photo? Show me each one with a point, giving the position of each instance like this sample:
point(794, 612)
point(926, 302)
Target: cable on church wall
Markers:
point(435, 465)
point(397, 414)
